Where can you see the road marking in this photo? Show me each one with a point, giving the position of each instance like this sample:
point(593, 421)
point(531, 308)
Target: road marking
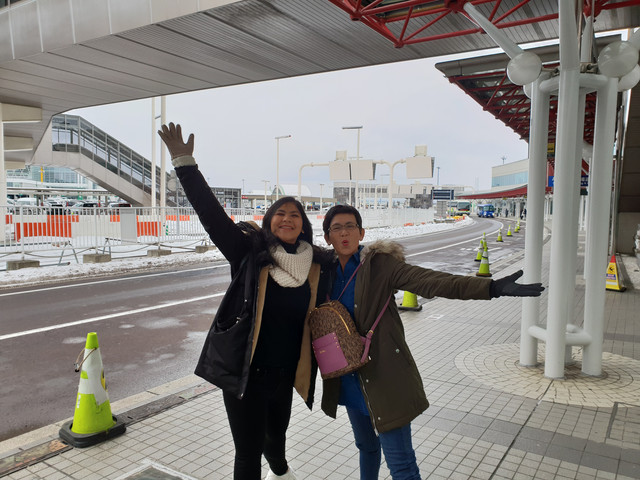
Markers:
point(95, 282)
point(442, 248)
point(106, 317)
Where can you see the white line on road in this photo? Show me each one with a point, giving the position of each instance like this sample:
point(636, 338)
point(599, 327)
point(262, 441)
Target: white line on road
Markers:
point(106, 317)
point(120, 279)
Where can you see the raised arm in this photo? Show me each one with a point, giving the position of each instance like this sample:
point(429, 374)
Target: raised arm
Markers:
point(227, 236)
point(431, 283)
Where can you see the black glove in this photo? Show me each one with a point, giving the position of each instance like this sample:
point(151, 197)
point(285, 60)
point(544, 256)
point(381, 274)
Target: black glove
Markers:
point(507, 287)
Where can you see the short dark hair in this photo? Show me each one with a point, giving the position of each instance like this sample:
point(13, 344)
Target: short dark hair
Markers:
point(307, 229)
point(336, 210)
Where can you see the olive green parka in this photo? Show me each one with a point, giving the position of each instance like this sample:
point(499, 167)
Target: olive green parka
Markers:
point(390, 381)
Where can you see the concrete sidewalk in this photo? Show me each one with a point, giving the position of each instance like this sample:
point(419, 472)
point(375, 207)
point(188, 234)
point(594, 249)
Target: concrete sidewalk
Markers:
point(489, 418)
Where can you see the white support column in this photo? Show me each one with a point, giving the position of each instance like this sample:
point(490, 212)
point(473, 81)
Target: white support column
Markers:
point(560, 278)
point(598, 231)
point(163, 157)
point(538, 139)
point(3, 181)
point(573, 219)
point(154, 135)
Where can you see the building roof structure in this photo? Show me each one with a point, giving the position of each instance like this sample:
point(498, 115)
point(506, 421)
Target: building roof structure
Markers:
point(58, 56)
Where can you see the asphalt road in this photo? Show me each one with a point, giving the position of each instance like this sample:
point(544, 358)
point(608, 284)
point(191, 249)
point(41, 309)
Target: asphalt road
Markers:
point(150, 326)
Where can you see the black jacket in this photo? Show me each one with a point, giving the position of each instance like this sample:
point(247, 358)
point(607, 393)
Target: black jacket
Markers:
point(231, 341)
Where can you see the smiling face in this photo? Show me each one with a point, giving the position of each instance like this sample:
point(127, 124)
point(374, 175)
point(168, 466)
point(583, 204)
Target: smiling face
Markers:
point(286, 223)
point(344, 236)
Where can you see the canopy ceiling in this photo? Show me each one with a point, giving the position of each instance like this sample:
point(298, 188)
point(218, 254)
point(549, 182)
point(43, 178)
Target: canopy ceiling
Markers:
point(64, 55)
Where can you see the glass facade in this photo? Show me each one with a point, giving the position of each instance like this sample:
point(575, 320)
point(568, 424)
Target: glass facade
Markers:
point(518, 178)
point(49, 175)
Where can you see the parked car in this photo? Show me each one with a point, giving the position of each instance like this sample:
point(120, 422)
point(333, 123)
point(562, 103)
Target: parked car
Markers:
point(56, 205)
point(26, 205)
point(114, 207)
point(81, 207)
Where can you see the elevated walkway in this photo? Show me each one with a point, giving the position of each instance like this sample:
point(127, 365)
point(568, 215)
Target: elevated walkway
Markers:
point(72, 142)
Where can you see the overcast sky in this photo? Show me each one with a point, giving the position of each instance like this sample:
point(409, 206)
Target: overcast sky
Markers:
point(399, 106)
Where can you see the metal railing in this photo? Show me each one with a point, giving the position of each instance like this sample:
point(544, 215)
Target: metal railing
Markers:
point(71, 133)
point(57, 235)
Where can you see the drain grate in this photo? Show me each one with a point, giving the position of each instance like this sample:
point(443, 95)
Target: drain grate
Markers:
point(154, 471)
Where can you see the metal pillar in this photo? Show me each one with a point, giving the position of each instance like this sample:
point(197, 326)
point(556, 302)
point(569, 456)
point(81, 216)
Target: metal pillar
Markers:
point(3, 181)
point(154, 136)
point(538, 138)
point(560, 277)
point(163, 157)
point(598, 231)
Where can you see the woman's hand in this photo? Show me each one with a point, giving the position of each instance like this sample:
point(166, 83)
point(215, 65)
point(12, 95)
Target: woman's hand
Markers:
point(171, 135)
point(507, 287)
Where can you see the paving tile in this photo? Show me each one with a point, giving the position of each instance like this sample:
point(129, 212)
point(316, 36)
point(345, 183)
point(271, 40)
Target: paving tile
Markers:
point(565, 454)
point(442, 424)
point(469, 430)
point(477, 420)
point(603, 449)
point(501, 438)
point(530, 445)
point(629, 469)
point(599, 462)
point(451, 414)
point(543, 436)
point(506, 427)
point(569, 442)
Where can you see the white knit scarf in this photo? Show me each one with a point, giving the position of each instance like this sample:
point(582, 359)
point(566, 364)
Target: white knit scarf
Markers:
point(291, 269)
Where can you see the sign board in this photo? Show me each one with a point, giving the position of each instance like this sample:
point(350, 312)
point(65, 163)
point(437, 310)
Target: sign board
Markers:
point(584, 180)
point(418, 189)
point(339, 171)
point(442, 194)
point(419, 167)
point(362, 170)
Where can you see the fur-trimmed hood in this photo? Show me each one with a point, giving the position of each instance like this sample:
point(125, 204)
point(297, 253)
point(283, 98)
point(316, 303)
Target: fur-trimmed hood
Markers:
point(383, 246)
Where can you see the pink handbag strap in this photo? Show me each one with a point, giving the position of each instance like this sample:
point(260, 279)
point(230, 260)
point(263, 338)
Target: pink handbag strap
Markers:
point(349, 281)
point(367, 341)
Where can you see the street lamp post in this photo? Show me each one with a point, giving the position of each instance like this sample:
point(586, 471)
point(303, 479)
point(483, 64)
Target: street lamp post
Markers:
point(266, 182)
point(321, 185)
point(278, 163)
point(358, 128)
point(438, 176)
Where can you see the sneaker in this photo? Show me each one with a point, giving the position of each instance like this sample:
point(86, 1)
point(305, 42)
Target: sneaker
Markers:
point(289, 475)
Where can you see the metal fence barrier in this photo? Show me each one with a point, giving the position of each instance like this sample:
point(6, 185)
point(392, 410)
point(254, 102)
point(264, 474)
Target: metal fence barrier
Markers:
point(61, 234)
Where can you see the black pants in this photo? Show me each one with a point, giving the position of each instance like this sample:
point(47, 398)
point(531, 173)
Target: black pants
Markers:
point(259, 422)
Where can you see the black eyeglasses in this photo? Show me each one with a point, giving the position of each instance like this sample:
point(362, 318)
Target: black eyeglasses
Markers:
point(349, 227)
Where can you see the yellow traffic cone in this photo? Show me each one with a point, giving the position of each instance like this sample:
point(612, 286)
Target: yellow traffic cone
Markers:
point(499, 239)
point(479, 254)
point(410, 302)
point(483, 271)
point(92, 420)
point(484, 239)
point(509, 234)
point(517, 229)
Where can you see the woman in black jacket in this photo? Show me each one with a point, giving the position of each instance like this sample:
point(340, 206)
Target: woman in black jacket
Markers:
point(259, 347)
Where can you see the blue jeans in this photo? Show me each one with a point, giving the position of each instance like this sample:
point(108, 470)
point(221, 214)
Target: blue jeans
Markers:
point(396, 444)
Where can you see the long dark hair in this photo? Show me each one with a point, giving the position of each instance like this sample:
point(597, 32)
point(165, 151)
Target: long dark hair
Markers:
point(307, 231)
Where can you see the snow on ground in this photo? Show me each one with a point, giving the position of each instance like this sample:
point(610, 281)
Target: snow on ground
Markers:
point(53, 274)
